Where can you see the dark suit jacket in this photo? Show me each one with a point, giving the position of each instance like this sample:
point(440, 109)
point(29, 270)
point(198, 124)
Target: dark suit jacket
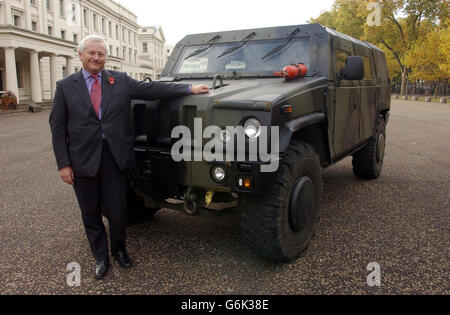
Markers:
point(77, 131)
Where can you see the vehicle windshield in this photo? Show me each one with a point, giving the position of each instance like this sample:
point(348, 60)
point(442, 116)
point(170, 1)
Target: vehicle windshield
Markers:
point(221, 58)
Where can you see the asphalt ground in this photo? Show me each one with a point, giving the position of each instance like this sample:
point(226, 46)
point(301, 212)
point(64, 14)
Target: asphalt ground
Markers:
point(400, 221)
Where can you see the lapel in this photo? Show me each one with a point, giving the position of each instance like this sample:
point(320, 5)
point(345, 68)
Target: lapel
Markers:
point(106, 90)
point(82, 90)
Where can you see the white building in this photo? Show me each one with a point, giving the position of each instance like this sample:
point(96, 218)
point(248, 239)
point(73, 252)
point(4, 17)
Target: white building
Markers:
point(38, 40)
point(151, 47)
point(168, 49)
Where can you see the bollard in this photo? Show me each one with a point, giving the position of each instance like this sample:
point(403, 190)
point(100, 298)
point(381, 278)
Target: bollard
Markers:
point(428, 99)
point(405, 97)
point(443, 100)
point(415, 98)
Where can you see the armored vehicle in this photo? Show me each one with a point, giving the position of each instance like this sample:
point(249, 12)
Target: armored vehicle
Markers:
point(336, 106)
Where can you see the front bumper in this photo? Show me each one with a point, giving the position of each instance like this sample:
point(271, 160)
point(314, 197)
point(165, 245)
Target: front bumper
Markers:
point(157, 174)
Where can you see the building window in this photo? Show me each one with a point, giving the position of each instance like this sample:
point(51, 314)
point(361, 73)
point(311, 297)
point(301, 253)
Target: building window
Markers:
point(33, 2)
point(50, 31)
point(123, 33)
point(103, 26)
point(110, 49)
point(74, 14)
point(75, 38)
point(94, 21)
point(110, 29)
point(61, 8)
point(19, 75)
point(16, 20)
point(117, 34)
point(63, 34)
point(34, 26)
point(129, 37)
point(145, 47)
point(48, 5)
point(117, 51)
point(85, 17)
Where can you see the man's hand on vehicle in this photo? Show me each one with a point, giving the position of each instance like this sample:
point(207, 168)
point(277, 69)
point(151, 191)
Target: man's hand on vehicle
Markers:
point(66, 174)
point(199, 89)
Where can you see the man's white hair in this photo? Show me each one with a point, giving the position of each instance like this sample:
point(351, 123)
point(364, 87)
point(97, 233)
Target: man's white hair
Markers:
point(92, 38)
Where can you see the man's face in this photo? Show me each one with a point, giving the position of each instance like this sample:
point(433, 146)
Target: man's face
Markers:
point(93, 57)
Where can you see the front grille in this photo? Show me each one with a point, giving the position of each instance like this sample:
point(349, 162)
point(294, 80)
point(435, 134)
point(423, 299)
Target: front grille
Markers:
point(156, 120)
point(159, 175)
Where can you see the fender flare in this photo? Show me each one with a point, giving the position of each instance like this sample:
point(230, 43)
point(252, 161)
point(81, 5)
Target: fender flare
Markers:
point(294, 125)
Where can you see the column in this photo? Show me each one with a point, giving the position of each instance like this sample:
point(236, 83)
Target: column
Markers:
point(69, 65)
point(7, 12)
point(27, 16)
point(43, 18)
point(11, 72)
point(36, 89)
point(53, 73)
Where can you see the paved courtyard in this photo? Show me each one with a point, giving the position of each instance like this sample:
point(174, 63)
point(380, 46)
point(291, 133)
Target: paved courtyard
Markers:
point(400, 221)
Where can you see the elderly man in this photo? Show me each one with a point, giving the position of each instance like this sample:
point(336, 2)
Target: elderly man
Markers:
point(93, 139)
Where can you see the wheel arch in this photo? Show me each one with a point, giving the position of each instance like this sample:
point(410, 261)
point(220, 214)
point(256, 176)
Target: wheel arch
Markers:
point(308, 129)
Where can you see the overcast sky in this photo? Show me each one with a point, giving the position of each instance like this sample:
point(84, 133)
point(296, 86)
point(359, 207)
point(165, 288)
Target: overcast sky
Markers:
point(179, 18)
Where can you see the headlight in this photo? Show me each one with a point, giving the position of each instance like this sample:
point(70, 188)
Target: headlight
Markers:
point(218, 174)
point(252, 128)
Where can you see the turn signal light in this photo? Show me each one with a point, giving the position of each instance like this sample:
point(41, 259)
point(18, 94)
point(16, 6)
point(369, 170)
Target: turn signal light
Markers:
point(286, 109)
point(245, 183)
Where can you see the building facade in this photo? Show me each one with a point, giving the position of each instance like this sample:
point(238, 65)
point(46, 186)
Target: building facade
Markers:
point(38, 40)
point(151, 48)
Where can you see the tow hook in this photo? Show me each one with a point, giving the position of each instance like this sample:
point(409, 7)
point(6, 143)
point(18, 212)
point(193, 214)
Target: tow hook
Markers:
point(190, 201)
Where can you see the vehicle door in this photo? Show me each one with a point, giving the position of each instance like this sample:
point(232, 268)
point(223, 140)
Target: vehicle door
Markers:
point(345, 134)
point(368, 88)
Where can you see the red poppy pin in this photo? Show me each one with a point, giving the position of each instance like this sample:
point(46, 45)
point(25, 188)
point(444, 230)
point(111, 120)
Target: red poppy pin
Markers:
point(111, 80)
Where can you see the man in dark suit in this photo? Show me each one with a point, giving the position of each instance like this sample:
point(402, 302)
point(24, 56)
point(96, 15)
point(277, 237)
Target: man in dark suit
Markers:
point(93, 140)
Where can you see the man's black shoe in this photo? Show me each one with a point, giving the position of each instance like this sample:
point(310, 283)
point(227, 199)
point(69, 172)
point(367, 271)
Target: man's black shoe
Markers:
point(101, 268)
point(123, 260)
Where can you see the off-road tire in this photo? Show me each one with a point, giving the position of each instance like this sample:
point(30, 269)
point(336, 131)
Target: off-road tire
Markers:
point(267, 222)
point(368, 161)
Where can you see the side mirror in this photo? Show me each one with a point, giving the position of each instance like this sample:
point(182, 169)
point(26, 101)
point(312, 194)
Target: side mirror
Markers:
point(353, 70)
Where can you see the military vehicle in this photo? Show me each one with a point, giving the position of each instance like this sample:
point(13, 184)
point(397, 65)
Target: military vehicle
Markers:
point(338, 107)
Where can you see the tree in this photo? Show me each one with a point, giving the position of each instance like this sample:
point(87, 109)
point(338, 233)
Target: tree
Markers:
point(403, 23)
point(429, 57)
point(343, 17)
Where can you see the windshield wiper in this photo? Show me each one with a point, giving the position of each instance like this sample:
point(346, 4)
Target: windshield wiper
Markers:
point(244, 41)
point(199, 51)
point(279, 47)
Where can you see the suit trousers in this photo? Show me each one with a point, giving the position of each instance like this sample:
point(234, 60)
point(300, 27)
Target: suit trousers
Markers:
point(107, 189)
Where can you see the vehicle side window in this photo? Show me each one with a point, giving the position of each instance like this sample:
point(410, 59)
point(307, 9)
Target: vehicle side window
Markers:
point(368, 73)
point(339, 59)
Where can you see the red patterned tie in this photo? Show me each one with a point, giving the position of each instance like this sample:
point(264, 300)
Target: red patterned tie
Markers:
point(96, 94)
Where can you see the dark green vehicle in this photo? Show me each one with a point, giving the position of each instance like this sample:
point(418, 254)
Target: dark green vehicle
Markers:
point(339, 109)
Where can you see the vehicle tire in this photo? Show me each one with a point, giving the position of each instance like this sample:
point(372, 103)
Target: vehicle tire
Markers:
point(279, 225)
point(137, 211)
point(368, 161)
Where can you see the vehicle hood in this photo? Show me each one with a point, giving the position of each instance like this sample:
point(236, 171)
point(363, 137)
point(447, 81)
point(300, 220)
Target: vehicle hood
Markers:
point(255, 93)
